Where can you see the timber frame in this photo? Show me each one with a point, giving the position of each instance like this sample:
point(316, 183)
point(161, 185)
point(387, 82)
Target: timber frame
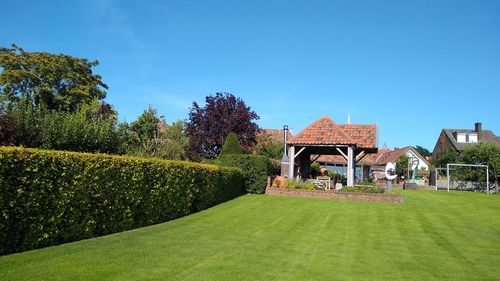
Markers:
point(299, 157)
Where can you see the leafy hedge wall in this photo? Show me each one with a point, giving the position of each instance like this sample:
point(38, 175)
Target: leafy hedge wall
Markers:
point(255, 169)
point(52, 197)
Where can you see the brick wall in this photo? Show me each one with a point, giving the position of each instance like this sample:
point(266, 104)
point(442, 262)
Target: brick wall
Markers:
point(331, 194)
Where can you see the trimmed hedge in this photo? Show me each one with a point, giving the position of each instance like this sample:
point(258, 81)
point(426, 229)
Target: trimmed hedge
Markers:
point(53, 197)
point(255, 169)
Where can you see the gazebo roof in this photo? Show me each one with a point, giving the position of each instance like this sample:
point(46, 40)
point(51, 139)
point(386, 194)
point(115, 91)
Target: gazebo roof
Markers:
point(326, 132)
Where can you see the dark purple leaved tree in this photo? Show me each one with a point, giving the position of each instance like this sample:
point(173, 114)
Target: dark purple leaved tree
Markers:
point(209, 126)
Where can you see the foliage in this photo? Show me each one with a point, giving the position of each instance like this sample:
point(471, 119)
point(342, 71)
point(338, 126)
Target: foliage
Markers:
point(7, 129)
point(209, 126)
point(231, 145)
point(255, 169)
point(368, 182)
point(402, 165)
point(483, 154)
point(150, 136)
point(422, 150)
point(147, 125)
point(314, 169)
point(87, 129)
point(177, 141)
point(422, 172)
point(280, 182)
point(299, 185)
point(60, 82)
point(52, 197)
point(447, 157)
point(275, 168)
point(268, 146)
point(361, 189)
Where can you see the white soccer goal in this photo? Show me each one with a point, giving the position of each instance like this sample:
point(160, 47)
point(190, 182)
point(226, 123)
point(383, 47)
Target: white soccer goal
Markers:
point(461, 185)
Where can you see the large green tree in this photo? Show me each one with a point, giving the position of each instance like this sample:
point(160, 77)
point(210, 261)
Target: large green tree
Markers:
point(150, 135)
point(447, 157)
point(268, 146)
point(59, 81)
point(483, 154)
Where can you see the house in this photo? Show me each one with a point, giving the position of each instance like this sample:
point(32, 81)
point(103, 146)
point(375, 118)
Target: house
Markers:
point(417, 161)
point(325, 137)
point(459, 139)
point(373, 165)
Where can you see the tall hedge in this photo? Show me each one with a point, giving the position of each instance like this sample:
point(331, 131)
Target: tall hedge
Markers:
point(255, 169)
point(52, 197)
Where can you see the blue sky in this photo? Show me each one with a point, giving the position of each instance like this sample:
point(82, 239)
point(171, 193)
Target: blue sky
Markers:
point(412, 67)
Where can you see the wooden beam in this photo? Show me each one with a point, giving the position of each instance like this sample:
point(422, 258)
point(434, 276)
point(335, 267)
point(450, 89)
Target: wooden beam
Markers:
point(360, 155)
point(302, 149)
point(343, 154)
point(315, 158)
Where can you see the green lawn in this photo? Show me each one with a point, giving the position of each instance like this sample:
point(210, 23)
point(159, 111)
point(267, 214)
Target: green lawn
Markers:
point(433, 235)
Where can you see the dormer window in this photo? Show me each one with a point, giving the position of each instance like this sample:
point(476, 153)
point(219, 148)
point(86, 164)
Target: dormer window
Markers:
point(467, 138)
point(461, 137)
point(472, 137)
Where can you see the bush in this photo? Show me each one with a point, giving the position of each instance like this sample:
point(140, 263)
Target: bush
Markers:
point(255, 169)
point(300, 185)
point(52, 197)
point(231, 145)
point(84, 130)
point(361, 189)
point(280, 182)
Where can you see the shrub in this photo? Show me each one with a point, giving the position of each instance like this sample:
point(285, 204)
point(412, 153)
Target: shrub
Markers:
point(370, 182)
point(84, 130)
point(300, 185)
point(280, 182)
point(255, 169)
point(231, 145)
point(361, 189)
point(52, 197)
point(315, 169)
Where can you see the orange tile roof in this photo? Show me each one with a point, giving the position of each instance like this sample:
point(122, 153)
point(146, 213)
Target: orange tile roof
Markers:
point(387, 156)
point(325, 131)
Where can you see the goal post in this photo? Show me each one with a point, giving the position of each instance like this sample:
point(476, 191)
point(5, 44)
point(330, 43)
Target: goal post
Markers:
point(468, 165)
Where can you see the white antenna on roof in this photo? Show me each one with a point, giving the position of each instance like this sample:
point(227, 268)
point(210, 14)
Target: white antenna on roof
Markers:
point(348, 118)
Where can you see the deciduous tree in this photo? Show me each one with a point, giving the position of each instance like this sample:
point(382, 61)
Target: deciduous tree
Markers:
point(268, 146)
point(208, 126)
point(483, 154)
point(61, 82)
point(422, 150)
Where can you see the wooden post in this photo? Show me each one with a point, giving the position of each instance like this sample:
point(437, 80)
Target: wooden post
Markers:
point(351, 165)
point(291, 167)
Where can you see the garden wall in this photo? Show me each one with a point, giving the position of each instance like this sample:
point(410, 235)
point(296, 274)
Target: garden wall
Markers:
point(331, 194)
point(52, 197)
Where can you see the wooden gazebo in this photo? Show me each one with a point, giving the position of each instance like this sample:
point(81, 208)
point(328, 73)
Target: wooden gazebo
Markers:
point(325, 137)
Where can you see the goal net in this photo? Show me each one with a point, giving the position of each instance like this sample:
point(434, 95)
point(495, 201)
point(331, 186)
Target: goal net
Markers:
point(467, 177)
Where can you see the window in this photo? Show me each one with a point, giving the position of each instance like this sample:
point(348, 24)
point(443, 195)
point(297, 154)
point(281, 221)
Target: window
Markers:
point(472, 138)
point(467, 138)
point(461, 137)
